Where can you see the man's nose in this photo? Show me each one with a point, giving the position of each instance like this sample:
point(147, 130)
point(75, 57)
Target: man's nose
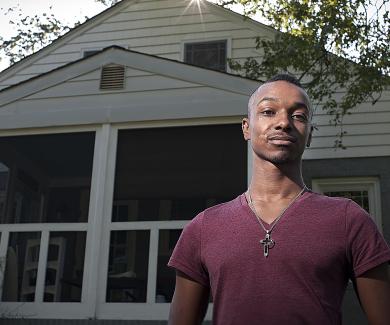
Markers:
point(283, 121)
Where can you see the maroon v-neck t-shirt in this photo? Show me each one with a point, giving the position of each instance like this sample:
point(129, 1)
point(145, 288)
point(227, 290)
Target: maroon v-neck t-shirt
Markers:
point(320, 243)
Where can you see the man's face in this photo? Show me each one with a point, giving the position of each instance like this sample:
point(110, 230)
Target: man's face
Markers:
point(279, 122)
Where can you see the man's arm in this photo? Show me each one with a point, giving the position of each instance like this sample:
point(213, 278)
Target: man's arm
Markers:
point(374, 292)
point(189, 303)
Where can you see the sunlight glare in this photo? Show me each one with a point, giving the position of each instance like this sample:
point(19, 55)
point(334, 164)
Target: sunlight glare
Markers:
point(197, 3)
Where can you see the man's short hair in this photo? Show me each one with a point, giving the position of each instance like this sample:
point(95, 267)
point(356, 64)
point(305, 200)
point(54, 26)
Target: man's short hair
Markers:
point(280, 77)
point(285, 77)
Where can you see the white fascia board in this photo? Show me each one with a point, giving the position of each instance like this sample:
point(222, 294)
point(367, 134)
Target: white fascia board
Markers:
point(156, 65)
point(62, 40)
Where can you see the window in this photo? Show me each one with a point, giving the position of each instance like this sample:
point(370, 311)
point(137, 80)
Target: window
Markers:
point(88, 53)
point(128, 266)
point(163, 178)
point(365, 191)
point(210, 55)
point(21, 269)
point(45, 183)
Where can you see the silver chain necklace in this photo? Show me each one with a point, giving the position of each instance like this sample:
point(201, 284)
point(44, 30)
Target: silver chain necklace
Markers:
point(268, 242)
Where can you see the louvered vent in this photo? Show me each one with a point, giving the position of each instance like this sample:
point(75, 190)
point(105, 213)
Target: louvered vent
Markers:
point(113, 77)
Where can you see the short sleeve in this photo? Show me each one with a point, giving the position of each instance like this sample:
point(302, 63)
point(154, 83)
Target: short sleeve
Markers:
point(186, 256)
point(366, 246)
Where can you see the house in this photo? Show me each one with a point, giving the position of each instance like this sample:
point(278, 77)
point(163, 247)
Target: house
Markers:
point(113, 137)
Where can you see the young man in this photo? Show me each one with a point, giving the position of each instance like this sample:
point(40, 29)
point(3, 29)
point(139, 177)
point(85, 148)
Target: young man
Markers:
point(279, 253)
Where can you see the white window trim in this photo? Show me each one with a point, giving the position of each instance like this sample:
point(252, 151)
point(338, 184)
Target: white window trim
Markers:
point(369, 184)
point(209, 39)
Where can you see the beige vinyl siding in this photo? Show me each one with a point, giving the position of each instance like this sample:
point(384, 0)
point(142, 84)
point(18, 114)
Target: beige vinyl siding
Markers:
point(162, 31)
point(357, 129)
point(36, 69)
point(367, 132)
point(60, 58)
point(15, 80)
point(329, 152)
point(152, 22)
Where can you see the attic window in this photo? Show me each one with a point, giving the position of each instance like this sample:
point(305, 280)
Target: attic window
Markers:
point(112, 77)
point(89, 53)
point(211, 55)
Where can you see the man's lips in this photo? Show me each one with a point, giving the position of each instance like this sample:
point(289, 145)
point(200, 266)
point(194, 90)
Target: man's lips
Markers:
point(281, 139)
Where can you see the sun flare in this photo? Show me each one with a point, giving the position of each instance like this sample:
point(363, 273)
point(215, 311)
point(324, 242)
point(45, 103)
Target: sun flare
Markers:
point(194, 3)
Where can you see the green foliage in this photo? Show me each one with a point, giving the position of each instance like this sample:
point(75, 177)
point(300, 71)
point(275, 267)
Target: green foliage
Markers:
point(32, 33)
point(333, 46)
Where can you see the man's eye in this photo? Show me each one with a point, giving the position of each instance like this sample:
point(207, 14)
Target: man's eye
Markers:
point(267, 112)
point(300, 117)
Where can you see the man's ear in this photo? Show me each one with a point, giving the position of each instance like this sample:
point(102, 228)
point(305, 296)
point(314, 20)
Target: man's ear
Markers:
point(245, 128)
point(310, 137)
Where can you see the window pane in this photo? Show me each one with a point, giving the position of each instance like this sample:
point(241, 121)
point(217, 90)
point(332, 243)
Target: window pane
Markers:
point(65, 266)
point(360, 197)
point(210, 55)
point(21, 266)
point(174, 173)
point(89, 53)
point(166, 275)
point(50, 177)
point(128, 266)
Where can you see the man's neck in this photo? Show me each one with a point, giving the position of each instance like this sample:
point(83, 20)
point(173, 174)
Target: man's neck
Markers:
point(273, 182)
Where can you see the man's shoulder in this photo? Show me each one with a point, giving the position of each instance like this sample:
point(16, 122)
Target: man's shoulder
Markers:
point(216, 214)
point(224, 208)
point(319, 198)
point(221, 210)
point(336, 207)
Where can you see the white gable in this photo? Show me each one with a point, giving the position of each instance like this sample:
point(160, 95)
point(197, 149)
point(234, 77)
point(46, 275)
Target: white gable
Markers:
point(155, 89)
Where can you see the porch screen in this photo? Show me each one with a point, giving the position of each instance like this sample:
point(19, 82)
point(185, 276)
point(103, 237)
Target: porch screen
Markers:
point(45, 183)
point(165, 177)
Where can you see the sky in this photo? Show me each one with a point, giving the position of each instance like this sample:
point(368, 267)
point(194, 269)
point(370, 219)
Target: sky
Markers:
point(68, 11)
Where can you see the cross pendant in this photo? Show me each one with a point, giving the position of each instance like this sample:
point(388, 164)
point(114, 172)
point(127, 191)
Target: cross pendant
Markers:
point(267, 243)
